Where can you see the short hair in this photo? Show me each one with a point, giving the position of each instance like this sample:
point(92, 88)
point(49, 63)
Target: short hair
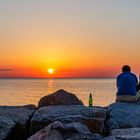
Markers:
point(126, 68)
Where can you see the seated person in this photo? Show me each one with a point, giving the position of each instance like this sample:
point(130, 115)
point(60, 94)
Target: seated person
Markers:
point(127, 86)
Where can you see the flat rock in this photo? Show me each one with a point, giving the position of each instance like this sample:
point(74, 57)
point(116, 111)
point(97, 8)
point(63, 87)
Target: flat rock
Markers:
point(123, 115)
point(92, 117)
point(60, 97)
point(21, 115)
point(7, 127)
point(60, 131)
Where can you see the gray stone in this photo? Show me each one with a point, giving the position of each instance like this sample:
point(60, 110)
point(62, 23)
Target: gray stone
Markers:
point(7, 127)
point(21, 115)
point(61, 131)
point(45, 134)
point(60, 97)
point(123, 115)
point(128, 131)
point(126, 134)
point(109, 138)
point(85, 136)
point(93, 117)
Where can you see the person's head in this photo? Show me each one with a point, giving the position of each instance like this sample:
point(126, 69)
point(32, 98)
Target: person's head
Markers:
point(126, 68)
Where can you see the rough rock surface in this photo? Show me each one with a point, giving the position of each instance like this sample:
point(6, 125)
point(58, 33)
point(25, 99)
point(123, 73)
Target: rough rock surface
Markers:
point(123, 115)
point(92, 117)
point(126, 134)
point(21, 115)
point(61, 131)
point(60, 97)
point(7, 127)
point(109, 138)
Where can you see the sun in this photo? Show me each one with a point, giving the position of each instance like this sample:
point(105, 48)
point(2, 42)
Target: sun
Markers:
point(50, 70)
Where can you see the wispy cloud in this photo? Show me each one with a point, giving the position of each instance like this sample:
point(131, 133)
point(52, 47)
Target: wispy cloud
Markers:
point(6, 69)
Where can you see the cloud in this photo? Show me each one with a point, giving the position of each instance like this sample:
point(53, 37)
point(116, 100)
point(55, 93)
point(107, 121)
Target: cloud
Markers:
point(6, 69)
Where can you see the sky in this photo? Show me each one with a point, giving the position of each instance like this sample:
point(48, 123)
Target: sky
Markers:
point(77, 38)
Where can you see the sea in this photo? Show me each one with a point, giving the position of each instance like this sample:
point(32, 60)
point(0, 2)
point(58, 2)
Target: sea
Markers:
point(18, 92)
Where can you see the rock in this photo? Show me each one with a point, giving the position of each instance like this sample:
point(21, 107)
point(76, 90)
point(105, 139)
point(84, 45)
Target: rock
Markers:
point(93, 117)
point(60, 97)
point(47, 134)
point(85, 136)
point(21, 115)
point(126, 134)
point(61, 131)
point(7, 127)
point(123, 115)
point(109, 138)
point(31, 106)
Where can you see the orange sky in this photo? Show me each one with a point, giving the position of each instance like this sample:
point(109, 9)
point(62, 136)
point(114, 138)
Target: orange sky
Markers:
point(76, 38)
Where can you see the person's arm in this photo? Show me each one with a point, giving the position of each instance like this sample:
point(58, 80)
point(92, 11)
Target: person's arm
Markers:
point(117, 83)
point(138, 85)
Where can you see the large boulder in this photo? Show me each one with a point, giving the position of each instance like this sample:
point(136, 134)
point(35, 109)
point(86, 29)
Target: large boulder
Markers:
point(60, 97)
point(92, 117)
point(21, 115)
point(123, 115)
point(61, 131)
point(7, 127)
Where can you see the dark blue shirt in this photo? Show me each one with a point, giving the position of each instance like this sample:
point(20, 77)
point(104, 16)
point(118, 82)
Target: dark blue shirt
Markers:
point(126, 83)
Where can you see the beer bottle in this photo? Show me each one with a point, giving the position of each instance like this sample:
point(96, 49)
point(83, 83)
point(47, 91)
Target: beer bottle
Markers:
point(90, 100)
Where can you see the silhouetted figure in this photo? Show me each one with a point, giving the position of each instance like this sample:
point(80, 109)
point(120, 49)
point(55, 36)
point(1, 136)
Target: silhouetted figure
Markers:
point(127, 86)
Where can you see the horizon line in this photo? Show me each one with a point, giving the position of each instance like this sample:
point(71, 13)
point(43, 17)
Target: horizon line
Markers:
point(56, 77)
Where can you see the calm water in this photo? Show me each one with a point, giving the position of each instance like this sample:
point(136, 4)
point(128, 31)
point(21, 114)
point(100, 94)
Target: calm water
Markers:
point(29, 91)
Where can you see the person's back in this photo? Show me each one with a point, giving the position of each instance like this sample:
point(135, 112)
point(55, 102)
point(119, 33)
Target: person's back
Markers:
point(127, 85)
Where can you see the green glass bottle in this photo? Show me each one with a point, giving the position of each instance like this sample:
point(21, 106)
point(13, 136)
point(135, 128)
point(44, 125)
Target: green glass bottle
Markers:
point(90, 100)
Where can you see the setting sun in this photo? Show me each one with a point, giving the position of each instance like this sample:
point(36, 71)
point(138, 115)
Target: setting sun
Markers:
point(50, 70)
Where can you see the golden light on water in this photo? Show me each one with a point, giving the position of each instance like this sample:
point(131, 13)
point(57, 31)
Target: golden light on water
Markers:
point(50, 70)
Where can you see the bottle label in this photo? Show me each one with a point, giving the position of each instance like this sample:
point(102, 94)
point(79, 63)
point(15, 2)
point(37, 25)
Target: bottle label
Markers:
point(90, 101)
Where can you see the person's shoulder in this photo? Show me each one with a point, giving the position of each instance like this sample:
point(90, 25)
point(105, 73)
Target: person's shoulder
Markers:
point(133, 74)
point(119, 75)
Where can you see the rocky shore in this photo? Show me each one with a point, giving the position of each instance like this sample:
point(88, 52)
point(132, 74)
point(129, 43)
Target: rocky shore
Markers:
point(62, 116)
